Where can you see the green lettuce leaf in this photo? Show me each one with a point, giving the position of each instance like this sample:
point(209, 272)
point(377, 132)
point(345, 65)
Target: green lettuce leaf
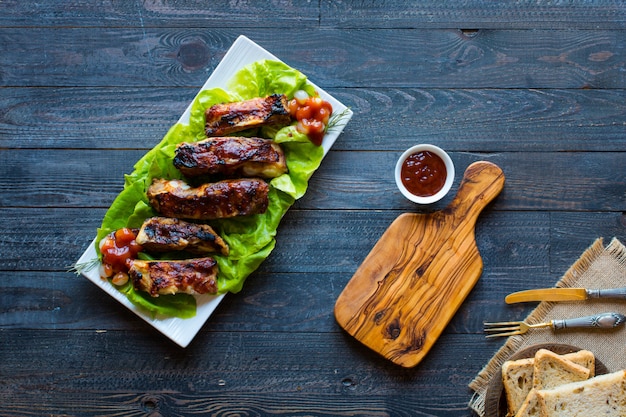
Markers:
point(251, 238)
point(179, 305)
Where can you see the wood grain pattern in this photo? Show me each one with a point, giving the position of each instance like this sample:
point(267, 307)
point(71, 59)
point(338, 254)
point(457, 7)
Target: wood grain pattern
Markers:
point(333, 58)
point(471, 14)
point(537, 88)
point(417, 275)
point(137, 118)
point(326, 13)
point(170, 13)
point(569, 181)
point(221, 374)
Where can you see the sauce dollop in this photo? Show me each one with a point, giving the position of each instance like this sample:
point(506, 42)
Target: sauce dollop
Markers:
point(423, 173)
point(312, 114)
point(118, 250)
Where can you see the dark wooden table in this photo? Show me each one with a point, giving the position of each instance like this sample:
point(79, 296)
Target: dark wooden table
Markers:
point(86, 89)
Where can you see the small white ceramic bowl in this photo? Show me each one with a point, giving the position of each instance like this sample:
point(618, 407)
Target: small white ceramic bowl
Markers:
point(449, 174)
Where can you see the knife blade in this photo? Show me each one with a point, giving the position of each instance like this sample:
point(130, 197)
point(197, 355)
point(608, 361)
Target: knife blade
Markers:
point(564, 294)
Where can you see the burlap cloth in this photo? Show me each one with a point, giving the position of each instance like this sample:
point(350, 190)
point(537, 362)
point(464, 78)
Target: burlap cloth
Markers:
point(598, 267)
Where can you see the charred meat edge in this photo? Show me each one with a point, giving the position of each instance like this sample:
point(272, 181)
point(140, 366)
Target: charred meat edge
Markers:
point(191, 276)
point(162, 234)
point(230, 156)
point(226, 118)
point(222, 199)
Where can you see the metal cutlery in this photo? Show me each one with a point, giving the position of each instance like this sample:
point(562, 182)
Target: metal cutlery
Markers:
point(597, 321)
point(565, 294)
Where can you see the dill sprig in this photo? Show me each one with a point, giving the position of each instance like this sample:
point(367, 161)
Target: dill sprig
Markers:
point(81, 267)
point(336, 120)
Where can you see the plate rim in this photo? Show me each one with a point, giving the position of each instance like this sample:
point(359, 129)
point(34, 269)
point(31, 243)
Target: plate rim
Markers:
point(242, 52)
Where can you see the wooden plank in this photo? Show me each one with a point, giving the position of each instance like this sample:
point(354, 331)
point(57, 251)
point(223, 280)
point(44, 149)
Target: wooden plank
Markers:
point(341, 238)
point(608, 14)
point(271, 302)
point(485, 120)
point(293, 290)
point(119, 13)
point(474, 14)
point(539, 181)
point(89, 118)
point(254, 373)
point(332, 58)
point(506, 240)
point(572, 181)
point(48, 229)
point(577, 232)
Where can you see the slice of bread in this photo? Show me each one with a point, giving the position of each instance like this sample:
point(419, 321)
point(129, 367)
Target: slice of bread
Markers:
point(531, 407)
point(517, 376)
point(604, 395)
point(584, 358)
point(551, 370)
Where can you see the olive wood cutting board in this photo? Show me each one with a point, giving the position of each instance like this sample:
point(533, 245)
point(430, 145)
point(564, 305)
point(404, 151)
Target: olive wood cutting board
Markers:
point(418, 273)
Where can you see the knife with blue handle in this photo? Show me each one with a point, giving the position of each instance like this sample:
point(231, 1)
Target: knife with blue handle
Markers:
point(565, 294)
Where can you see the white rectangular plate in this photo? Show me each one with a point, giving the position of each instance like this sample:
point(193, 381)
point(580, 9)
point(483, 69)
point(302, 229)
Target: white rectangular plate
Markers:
point(182, 331)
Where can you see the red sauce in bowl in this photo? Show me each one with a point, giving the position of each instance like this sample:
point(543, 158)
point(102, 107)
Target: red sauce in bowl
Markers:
point(423, 173)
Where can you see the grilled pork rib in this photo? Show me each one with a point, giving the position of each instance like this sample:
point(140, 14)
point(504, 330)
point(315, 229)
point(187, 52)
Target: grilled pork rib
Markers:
point(229, 156)
point(162, 234)
point(227, 118)
point(222, 199)
point(192, 276)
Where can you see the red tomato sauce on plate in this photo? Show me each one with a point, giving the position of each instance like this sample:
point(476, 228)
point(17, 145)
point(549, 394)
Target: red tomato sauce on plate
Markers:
point(312, 115)
point(118, 250)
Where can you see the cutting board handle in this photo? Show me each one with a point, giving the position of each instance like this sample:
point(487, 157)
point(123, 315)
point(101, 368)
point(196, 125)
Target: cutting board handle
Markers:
point(481, 183)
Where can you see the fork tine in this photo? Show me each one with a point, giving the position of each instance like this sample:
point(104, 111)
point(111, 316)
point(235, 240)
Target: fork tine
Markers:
point(503, 334)
point(502, 323)
point(501, 329)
